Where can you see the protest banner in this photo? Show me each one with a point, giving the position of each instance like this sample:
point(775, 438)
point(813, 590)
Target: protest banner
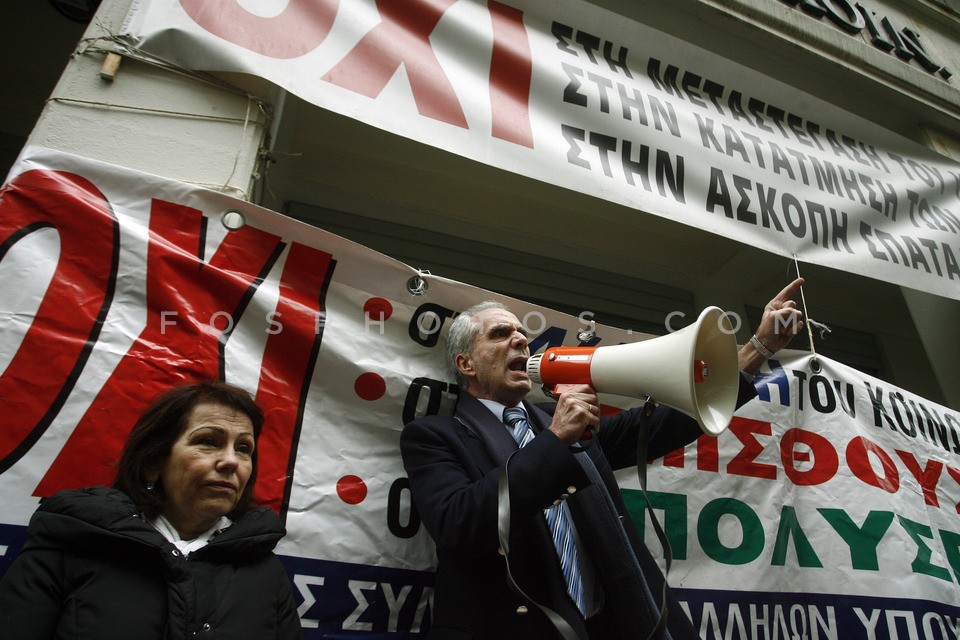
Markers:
point(828, 509)
point(573, 95)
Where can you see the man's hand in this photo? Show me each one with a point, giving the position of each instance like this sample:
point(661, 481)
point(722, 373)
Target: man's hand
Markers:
point(578, 408)
point(781, 321)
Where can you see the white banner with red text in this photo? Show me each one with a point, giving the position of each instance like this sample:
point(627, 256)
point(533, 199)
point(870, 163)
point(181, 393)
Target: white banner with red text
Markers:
point(828, 509)
point(571, 94)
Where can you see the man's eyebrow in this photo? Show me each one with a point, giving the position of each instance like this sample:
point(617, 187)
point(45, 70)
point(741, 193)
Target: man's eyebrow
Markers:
point(507, 326)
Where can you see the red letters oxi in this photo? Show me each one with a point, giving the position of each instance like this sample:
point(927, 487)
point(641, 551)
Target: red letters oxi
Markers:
point(402, 37)
point(181, 341)
point(511, 68)
point(42, 373)
point(295, 31)
point(191, 308)
point(288, 364)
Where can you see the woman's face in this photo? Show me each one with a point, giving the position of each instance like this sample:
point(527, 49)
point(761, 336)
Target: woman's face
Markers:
point(207, 469)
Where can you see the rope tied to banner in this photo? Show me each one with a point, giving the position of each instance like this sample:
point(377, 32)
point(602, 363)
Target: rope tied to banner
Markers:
point(811, 324)
point(111, 43)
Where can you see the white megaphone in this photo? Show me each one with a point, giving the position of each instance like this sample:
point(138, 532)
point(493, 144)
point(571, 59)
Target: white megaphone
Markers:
point(694, 370)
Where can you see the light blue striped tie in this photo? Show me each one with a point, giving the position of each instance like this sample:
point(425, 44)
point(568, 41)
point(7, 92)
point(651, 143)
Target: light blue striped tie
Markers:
point(558, 517)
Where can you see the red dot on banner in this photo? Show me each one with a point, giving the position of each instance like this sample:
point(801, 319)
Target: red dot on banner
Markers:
point(370, 386)
point(378, 309)
point(351, 489)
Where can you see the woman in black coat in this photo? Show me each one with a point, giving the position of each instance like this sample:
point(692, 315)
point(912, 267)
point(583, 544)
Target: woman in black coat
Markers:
point(175, 549)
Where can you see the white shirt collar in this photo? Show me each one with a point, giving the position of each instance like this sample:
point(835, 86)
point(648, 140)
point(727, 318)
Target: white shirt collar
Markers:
point(186, 547)
point(497, 408)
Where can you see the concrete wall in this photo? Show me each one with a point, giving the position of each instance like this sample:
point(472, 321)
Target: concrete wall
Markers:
point(154, 119)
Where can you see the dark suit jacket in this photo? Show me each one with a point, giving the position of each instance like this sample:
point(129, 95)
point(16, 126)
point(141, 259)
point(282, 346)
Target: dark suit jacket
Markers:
point(454, 465)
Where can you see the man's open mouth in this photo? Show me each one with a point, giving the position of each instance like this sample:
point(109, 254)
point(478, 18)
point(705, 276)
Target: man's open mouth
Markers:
point(518, 364)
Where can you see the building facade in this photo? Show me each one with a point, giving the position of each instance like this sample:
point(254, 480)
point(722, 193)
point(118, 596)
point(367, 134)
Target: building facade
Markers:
point(895, 65)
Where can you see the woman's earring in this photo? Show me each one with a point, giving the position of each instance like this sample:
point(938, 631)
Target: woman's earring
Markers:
point(151, 487)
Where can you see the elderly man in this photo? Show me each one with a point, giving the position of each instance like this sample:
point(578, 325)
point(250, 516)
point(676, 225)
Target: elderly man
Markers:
point(599, 581)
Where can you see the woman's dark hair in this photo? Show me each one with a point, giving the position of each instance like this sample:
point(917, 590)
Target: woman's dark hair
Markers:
point(155, 431)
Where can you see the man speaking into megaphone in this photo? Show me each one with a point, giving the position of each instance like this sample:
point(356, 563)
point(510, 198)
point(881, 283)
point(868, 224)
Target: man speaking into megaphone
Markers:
point(511, 496)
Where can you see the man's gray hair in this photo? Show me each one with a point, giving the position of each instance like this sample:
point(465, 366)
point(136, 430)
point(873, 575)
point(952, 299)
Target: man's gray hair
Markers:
point(463, 333)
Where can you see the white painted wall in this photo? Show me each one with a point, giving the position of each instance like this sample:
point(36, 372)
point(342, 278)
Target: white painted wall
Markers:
point(153, 119)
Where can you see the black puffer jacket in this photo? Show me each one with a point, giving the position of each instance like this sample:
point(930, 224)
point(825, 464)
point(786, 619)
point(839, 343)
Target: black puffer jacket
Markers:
point(92, 568)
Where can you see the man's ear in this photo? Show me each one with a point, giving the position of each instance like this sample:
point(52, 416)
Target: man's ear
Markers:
point(464, 365)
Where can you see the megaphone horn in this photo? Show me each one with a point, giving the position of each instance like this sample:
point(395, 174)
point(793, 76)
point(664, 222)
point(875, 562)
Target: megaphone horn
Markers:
point(694, 370)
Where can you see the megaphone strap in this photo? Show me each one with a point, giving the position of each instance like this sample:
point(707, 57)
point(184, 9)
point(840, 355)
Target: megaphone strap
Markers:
point(503, 531)
point(643, 443)
point(564, 628)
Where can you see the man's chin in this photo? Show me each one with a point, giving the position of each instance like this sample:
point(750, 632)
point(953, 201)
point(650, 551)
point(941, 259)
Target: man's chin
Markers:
point(524, 387)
